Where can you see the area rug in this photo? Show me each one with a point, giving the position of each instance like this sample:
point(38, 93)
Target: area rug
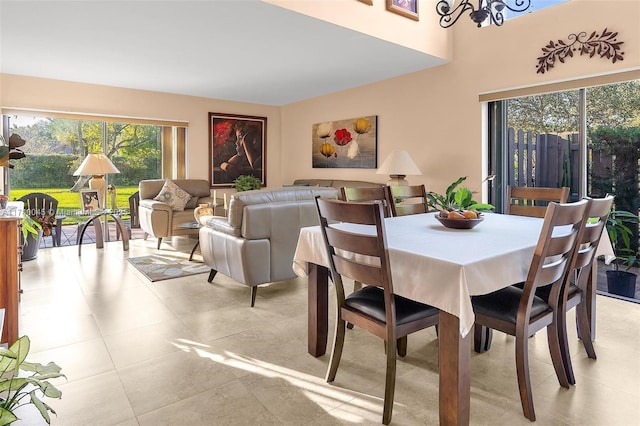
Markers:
point(163, 267)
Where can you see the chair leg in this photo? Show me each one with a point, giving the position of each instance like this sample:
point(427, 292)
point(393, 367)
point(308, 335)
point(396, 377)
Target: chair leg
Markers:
point(336, 353)
point(390, 384)
point(584, 329)
point(564, 348)
point(524, 381)
point(212, 274)
point(159, 242)
point(402, 346)
point(557, 353)
point(481, 338)
point(254, 292)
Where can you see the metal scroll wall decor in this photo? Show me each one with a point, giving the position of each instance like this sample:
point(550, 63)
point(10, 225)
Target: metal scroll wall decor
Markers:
point(604, 44)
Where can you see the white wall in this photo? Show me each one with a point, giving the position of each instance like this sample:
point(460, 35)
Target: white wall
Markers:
point(436, 115)
point(63, 96)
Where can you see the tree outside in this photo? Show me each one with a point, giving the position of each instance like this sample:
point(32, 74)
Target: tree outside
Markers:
point(56, 147)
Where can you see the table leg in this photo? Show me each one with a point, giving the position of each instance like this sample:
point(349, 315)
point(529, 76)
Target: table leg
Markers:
point(455, 382)
point(123, 231)
point(98, 229)
point(193, 250)
point(97, 224)
point(318, 319)
point(590, 297)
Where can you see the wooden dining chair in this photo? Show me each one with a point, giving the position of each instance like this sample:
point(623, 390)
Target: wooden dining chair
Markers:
point(533, 201)
point(367, 194)
point(520, 312)
point(352, 194)
point(406, 200)
point(375, 308)
point(577, 293)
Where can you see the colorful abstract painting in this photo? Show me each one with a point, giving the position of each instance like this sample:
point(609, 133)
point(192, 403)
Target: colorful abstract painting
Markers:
point(350, 143)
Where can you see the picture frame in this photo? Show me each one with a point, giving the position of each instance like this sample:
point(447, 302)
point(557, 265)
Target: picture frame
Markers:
point(351, 143)
point(369, 2)
point(406, 8)
point(90, 200)
point(237, 147)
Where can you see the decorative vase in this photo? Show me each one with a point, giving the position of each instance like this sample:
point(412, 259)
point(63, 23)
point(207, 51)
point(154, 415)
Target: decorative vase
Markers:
point(202, 210)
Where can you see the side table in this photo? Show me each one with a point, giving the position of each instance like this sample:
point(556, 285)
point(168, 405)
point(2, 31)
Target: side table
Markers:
point(191, 225)
point(201, 210)
point(97, 224)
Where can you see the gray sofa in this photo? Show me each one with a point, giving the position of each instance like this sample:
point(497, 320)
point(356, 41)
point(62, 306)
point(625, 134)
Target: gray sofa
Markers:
point(159, 219)
point(256, 242)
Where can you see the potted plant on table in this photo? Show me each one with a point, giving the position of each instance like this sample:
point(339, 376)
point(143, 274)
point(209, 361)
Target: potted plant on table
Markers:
point(622, 283)
point(456, 198)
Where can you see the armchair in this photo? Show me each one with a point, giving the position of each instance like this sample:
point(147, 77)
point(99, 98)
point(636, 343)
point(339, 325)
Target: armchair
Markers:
point(161, 220)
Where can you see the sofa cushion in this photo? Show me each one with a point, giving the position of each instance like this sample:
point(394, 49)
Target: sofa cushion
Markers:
point(173, 195)
point(192, 203)
point(337, 183)
point(243, 200)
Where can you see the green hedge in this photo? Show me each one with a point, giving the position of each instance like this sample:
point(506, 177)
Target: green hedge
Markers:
point(56, 171)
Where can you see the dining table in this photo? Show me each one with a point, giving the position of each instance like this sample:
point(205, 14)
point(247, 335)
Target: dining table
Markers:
point(439, 266)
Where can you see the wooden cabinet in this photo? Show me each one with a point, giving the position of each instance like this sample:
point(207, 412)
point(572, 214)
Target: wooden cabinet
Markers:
point(10, 267)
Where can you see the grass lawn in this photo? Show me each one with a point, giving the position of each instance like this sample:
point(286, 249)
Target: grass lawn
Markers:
point(69, 202)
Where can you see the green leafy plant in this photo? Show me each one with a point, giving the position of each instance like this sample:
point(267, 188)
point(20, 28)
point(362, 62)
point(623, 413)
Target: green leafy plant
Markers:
point(456, 198)
point(29, 226)
point(18, 387)
point(247, 183)
point(620, 235)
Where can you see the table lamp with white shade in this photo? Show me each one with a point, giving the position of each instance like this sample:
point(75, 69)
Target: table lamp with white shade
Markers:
point(97, 165)
point(397, 165)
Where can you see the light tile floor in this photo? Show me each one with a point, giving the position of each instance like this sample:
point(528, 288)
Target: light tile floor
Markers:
point(187, 352)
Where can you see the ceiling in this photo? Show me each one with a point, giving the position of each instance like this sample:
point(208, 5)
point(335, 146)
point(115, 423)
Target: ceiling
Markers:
point(241, 50)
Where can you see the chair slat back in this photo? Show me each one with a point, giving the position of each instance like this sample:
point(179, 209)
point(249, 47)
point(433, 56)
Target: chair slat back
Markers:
point(356, 194)
point(39, 204)
point(360, 252)
point(552, 260)
point(597, 213)
point(533, 201)
point(406, 200)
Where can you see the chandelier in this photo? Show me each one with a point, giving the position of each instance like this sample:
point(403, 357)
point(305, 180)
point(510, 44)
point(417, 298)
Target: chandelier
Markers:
point(492, 9)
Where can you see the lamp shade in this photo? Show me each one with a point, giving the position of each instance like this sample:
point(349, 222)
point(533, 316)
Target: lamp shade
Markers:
point(96, 165)
point(399, 162)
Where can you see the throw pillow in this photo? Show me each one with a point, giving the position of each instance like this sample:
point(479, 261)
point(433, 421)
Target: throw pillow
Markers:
point(173, 195)
point(193, 203)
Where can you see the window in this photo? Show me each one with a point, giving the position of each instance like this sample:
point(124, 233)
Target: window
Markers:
point(56, 146)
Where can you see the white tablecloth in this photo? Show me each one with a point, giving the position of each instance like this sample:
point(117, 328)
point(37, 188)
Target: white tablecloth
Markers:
point(444, 267)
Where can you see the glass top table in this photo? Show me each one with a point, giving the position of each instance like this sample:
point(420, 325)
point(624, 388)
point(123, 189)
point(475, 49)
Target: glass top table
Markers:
point(94, 218)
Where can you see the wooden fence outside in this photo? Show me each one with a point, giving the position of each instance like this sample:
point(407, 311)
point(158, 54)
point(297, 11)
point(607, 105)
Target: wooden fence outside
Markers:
point(552, 160)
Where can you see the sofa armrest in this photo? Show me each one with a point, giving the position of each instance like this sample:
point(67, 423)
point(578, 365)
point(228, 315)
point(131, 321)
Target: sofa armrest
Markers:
point(220, 224)
point(155, 205)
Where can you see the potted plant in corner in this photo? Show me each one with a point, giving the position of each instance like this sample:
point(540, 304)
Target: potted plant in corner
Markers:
point(622, 283)
point(31, 236)
point(23, 383)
